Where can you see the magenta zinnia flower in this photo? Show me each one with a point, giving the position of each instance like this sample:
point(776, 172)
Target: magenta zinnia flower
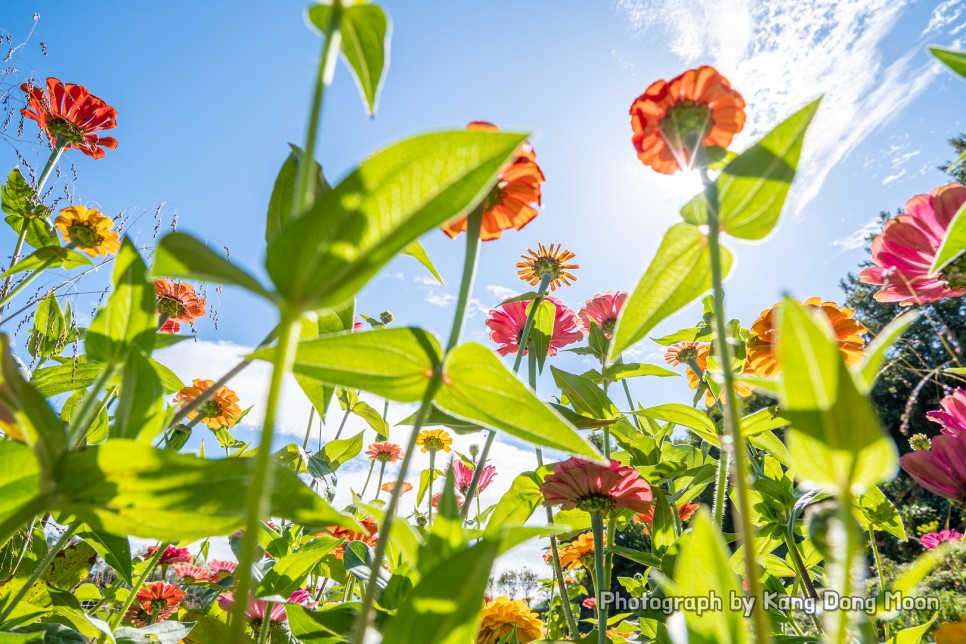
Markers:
point(604, 311)
point(507, 321)
point(941, 469)
point(463, 476)
point(171, 555)
point(905, 250)
point(256, 610)
point(952, 416)
point(933, 539)
point(576, 483)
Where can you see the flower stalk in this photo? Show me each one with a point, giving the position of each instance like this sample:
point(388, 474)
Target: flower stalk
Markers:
point(597, 526)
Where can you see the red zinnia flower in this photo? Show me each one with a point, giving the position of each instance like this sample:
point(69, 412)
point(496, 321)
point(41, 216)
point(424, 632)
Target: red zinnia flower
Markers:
point(941, 469)
point(506, 326)
point(170, 326)
point(672, 119)
point(178, 301)
point(952, 416)
point(510, 202)
point(155, 601)
point(603, 310)
point(590, 602)
point(685, 512)
point(171, 555)
point(904, 251)
point(439, 495)
point(368, 538)
point(384, 452)
point(576, 483)
point(71, 113)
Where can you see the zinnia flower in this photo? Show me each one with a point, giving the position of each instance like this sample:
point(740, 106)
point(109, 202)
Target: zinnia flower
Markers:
point(391, 485)
point(579, 553)
point(763, 345)
point(368, 537)
point(951, 632)
point(506, 326)
point(89, 230)
point(590, 602)
point(933, 539)
point(70, 114)
point(221, 410)
point(384, 452)
point(904, 251)
point(701, 359)
point(171, 555)
point(258, 609)
point(603, 311)
point(434, 440)
point(154, 602)
point(941, 469)
point(551, 262)
point(682, 353)
point(221, 569)
point(503, 616)
point(170, 326)
point(191, 571)
point(463, 476)
point(952, 416)
point(685, 512)
point(587, 486)
point(510, 202)
point(671, 119)
point(439, 495)
point(178, 301)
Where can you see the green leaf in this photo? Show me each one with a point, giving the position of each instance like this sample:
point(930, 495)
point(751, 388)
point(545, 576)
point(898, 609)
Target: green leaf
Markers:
point(24, 207)
point(372, 416)
point(337, 452)
point(584, 396)
point(954, 60)
point(116, 551)
point(438, 417)
point(49, 257)
point(914, 634)
point(365, 45)
point(624, 370)
point(124, 487)
point(542, 331)
point(53, 381)
point(129, 319)
point(694, 419)
point(169, 632)
point(289, 573)
point(315, 325)
point(954, 243)
point(323, 258)
point(417, 252)
point(478, 386)
point(283, 192)
point(517, 505)
point(181, 255)
point(876, 512)
point(19, 482)
point(395, 363)
point(140, 404)
point(50, 331)
point(679, 273)
point(328, 625)
point(444, 607)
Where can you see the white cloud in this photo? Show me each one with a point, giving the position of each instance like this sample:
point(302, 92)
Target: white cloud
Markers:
point(442, 300)
point(501, 293)
point(859, 237)
point(944, 15)
point(783, 55)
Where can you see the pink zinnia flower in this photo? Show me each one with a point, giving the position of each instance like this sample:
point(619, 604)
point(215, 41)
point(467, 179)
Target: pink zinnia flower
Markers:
point(507, 321)
point(356, 324)
point(933, 539)
point(463, 476)
point(576, 483)
point(384, 452)
point(191, 571)
point(604, 311)
point(590, 602)
point(171, 555)
point(221, 569)
point(952, 416)
point(905, 250)
point(941, 469)
point(257, 608)
point(439, 495)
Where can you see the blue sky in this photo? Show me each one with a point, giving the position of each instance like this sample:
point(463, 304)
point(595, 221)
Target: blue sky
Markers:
point(209, 94)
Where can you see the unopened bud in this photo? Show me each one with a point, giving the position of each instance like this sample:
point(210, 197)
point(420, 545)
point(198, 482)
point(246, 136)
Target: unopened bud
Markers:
point(386, 317)
point(920, 442)
point(474, 450)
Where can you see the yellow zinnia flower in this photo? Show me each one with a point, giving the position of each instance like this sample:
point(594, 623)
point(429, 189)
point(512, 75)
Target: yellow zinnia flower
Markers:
point(502, 616)
point(89, 230)
point(578, 553)
point(221, 410)
point(434, 440)
point(951, 632)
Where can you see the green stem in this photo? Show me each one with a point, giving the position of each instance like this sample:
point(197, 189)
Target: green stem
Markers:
point(38, 571)
point(372, 466)
point(597, 525)
point(432, 475)
point(305, 183)
point(878, 570)
point(721, 484)
point(803, 574)
point(29, 278)
point(308, 430)
point(119, 616)
point(841, 574)
point(259, 501)
point(345, 417)
point(732, 426)
point(382, 471)
point(82, 420)
point(630, 402)
point(266, 623)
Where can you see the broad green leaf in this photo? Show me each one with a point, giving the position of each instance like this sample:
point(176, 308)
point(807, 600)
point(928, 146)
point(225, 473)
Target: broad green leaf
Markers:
point(129, 319)
point(914, 634)
point(337, 452)
point(116, 551)
point(954, 60)
point(289, 573)
point(140, 403)
point(328, 625)
point(169, 632)
point(49, 257)
point(875, 354)
point(170, 382)
point(23, 207)
point(19, 484)
point(478, 386)
point(313, 326)
point(444, 607)
point(876, 511)
point(43, 634)
point(181, 255)
point(50, 330)
point(417, 252)
point(753, 187)
point(438, 417)
point(542, 331)
point(53, 381)
point(395, 363)
point(624, 370)
point(694, 419)
point(517, 504)
point(323, 258)
point(124, 487)
point(954, 243)
point(365, 44)
point(809, 360)
point(283, 192)
point(679, 273)
point(584, 396)
point(372, 416)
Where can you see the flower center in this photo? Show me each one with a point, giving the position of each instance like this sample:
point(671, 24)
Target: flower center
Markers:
point(210, 409)
point(955, 273)
point(157, 605)
point(84, 235)
point(596, 503)
point(64, 129)
point(385, 457)
point(547, 266)
point(494, 198)
point(171, 307)
point(686, 124)
point(609, 325)
point(433, 444)
point(688, 354)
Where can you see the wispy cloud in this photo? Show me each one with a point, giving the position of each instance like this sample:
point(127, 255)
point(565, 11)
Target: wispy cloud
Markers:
point(860, 236)
point(783, 55)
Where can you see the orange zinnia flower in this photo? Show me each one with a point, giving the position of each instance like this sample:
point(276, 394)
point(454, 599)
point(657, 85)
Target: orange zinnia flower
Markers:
point(384, 452)
point(579, 553)
point(71, 114)
point(368, 537)
point(547, 261)
point(391, 485)
point(510, 202)
point(646, 519)
point(178, 301)
point(682, 353)
point(221, 410)
point(155, 601)
point(88, 230)
point(763, 345)
point(694, 381)
point(672, 119)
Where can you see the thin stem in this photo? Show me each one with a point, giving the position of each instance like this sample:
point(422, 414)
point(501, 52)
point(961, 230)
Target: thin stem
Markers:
point(597, 525)
point(38, 570)
point(345, 417)
point(382, 472)
point(116, 619)
point(266, 623)
point(305, 183)
point(308, 429)
point(630, 402)
point(432, 475)
point(372, 466)
point(732, 426)
point(82, 420)
point(721, 484)
point(803, 575)
point(841, 575)
point(29, 278)
point(259, 502)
